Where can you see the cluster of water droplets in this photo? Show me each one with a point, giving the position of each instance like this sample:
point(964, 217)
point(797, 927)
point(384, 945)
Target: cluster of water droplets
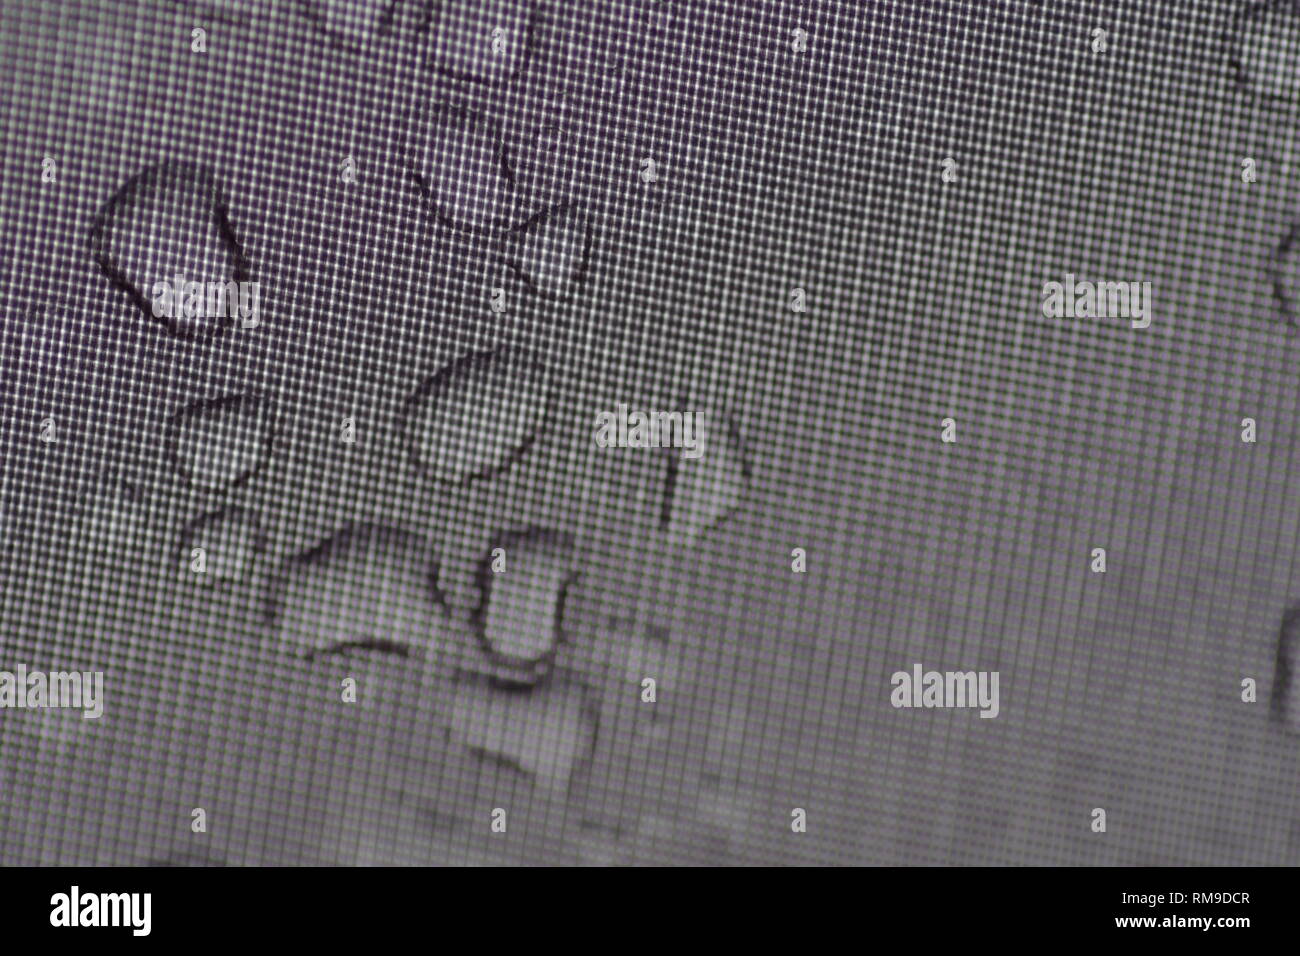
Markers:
point(533, 190)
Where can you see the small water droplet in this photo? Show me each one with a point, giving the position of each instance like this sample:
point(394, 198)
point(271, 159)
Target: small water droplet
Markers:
point(1286, 678)
point(703, 491)
point(478, 414)
point(219, 443)
point(546, 732)
point(518, 617)
point(551, 251)
point(367, 588)
point(1266, 52)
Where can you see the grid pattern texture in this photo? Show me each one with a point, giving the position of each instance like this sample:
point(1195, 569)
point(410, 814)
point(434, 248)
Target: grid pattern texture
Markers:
point(336, 531)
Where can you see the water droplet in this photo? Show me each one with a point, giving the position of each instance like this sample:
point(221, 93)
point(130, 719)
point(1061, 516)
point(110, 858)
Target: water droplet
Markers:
point(459, 164)
point(703, 491)
point(1285, 269)
point(230, 539)
point(1266, 50)
point(551, 251)
point(545, 732)
point(1286, 679)
point(481, 40)
point(478, 414)
point(368, 588)
point(219, 443)
point(518, 617)
point(351, 23)
point(169, 221)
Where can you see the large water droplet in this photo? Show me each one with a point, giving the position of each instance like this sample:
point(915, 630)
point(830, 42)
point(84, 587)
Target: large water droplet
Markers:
point(459, 164)
point(482, 40)
point(477, 414)
point(545, 732)
point(518, 617)
point(551, 251)
point(219, 443)
point(169, 221)
point(368, 588)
